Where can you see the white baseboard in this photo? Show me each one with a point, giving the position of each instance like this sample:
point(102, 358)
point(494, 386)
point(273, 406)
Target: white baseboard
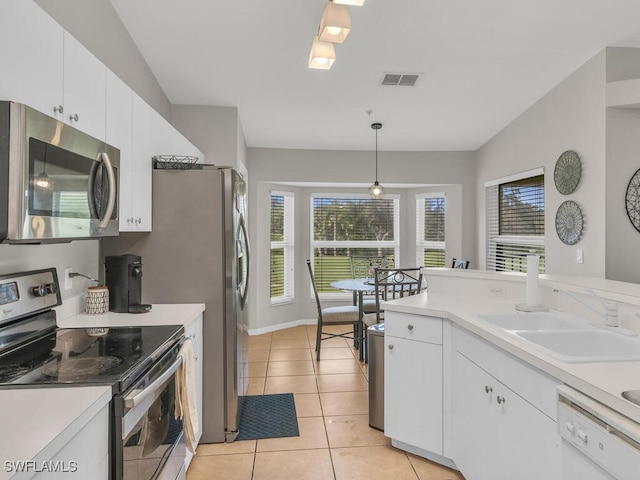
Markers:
point(282, 326)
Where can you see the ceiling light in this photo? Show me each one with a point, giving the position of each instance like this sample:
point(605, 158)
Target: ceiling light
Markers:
point(335, 23)
point(376, 191)
point(355, 3)
point(322, 54)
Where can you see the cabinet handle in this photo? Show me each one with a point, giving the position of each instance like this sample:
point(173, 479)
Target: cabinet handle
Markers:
point(74, 117)
point(138, 220)
point(58, 109)
point(501, 400)
point(488, 389)
point(391, 347)
point(410, 327)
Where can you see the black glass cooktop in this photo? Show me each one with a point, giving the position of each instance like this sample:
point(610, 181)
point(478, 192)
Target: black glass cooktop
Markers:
point(101, 356)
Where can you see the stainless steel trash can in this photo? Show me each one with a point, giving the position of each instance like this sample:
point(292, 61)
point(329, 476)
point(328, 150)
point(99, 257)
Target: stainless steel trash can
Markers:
point(375, 355)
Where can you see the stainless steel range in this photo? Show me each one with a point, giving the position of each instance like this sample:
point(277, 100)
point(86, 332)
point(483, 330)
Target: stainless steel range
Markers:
point(138, 363)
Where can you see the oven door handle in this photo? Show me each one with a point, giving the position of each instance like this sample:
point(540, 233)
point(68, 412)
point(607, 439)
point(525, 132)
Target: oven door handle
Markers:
point(131, 401)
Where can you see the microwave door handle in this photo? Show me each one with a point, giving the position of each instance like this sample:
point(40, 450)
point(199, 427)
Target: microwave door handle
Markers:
point(104, 158)
point(131, 401)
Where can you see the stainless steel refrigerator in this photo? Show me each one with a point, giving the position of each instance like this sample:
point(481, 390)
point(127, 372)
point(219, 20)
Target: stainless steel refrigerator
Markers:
point(198, 252)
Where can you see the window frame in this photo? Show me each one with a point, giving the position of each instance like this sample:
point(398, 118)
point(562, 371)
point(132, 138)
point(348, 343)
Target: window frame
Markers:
point(288, 246)
point(421, 243)
point(492, 223)
point(314, 244)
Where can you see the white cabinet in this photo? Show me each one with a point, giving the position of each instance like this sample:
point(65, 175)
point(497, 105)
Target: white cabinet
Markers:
point(499, 434)
point(413, 391)
point(141, 153)
point(84, 94)
point(31, 56)
point(46, 68)
point(194, 332)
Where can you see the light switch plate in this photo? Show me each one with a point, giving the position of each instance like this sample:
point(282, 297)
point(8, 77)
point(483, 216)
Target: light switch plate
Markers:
point(579, 256)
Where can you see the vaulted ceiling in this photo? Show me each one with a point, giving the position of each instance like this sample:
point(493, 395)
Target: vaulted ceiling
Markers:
point(482, 63)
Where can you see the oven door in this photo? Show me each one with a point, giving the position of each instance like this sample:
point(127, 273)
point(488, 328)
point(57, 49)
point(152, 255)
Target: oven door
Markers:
point(149, 439)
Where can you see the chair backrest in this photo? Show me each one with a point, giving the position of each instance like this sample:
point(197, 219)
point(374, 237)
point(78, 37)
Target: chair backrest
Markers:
point(464, 264)
point(363, 266)
point(391, 283)
point(313, 284)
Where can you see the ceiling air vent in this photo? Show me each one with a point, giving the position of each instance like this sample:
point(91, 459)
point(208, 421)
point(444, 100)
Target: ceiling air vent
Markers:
point(400, 79)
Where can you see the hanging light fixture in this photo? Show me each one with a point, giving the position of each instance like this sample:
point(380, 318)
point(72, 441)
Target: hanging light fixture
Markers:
point(376, 191)
point(355, 3)
point(335, 23)
point(322, 54)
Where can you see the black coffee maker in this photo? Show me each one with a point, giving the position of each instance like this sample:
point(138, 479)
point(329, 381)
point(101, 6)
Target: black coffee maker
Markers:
point(123, 276)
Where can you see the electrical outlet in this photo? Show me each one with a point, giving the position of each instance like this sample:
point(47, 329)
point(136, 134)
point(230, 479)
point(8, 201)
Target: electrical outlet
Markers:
point(68, 285)
point(496, 292)
point(579, 256)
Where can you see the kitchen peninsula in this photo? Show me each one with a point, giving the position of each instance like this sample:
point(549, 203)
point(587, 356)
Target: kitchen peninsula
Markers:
point(493, 394)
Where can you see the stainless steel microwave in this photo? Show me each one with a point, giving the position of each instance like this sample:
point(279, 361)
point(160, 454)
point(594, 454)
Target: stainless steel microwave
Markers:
point(57, 183)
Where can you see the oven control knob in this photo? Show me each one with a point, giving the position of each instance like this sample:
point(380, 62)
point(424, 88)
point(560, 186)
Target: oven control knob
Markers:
point(52, 287)
point(39, 291)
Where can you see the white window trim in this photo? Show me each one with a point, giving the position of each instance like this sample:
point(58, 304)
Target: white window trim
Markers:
point(289, 248)
point(395, 244)
point(492, 216)
point(421, 243)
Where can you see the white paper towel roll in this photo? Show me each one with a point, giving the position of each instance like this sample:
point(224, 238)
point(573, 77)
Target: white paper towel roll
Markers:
point(533, 261)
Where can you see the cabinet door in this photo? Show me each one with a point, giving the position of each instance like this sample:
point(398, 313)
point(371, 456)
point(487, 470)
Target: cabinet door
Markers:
point(474, 421)
point(31, 56)
point(498, 435)
point(413, 393)
point(142, 152)
point(85, 80)
point(118, 134)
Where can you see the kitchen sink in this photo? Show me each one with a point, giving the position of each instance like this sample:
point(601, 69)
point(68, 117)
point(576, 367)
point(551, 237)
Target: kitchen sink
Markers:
point(535, 321)
point(593, 345)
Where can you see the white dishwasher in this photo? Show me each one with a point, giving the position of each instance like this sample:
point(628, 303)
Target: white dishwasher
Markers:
point(598, 443)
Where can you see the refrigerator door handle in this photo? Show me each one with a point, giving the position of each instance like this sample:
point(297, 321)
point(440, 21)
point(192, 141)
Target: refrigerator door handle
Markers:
point(243, 262)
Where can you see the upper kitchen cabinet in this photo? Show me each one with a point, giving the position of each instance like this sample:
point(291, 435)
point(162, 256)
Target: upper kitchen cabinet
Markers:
point(169, 141)
point(46, 68)
point(119, 134)
point(31, 57)
point(142, 150)
point(84, 90)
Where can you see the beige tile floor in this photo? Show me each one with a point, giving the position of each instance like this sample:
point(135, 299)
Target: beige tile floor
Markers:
point(331, 396)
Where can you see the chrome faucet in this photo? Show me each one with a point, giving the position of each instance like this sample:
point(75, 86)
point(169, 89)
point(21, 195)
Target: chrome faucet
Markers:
point(610, 308)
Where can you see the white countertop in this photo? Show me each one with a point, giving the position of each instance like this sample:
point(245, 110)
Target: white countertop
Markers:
point(37, 423)
point(603, 381)
point(160, 314)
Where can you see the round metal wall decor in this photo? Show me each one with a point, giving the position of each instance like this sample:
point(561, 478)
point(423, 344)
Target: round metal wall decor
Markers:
point(567, 172)
point(569, 222)
point(632, 200)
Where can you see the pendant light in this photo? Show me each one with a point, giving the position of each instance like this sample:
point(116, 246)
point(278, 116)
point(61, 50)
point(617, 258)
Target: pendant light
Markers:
point(376, 191)
point(322, 54)
point(335, 23)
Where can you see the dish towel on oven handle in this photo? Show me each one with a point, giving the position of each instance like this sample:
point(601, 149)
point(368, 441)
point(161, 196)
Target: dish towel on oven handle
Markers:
point(186, 402)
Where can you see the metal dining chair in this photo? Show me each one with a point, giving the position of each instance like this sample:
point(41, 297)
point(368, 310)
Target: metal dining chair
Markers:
point(391, 283)
point(363, 267)
point(343, 315)
point(463, 264)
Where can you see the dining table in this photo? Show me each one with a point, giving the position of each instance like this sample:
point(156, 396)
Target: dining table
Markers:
point(359, 287)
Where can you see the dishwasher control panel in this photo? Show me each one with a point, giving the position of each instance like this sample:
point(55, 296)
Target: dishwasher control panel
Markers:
point(599, 434)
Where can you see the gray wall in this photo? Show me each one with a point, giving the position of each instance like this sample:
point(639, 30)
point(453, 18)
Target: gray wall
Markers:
point(452, 172)
point(569, 117)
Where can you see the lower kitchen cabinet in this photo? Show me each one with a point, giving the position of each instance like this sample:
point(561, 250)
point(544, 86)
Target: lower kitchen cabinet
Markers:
point(413, 392)
point(498, 434)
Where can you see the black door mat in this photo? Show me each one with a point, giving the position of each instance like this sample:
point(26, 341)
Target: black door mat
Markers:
point(267, 416)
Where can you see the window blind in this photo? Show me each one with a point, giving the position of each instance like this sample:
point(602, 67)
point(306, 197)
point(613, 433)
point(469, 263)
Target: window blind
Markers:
point(515, 223)
point(282, 247)
point(345, 226)
point(430, 230)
